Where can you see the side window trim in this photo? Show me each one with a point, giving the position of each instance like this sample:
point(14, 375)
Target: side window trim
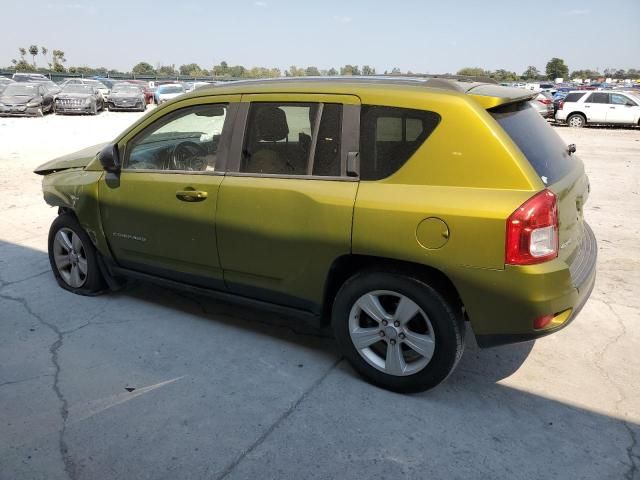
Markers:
point(314, 138)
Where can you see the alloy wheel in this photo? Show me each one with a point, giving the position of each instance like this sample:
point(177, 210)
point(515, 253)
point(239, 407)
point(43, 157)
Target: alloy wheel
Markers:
point(391, 332)
point(70, 257)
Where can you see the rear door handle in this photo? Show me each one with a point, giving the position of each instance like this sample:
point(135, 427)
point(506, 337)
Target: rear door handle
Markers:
point(191, 195)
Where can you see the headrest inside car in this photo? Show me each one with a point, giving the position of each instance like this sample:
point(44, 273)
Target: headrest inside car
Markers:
point(271, 124)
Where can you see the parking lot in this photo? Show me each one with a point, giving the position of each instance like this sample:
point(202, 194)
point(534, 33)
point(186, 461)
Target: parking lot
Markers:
point(151, 383)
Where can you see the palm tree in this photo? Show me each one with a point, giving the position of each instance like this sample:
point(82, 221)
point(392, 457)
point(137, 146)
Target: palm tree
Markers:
point(33, 50)
point(44, 51)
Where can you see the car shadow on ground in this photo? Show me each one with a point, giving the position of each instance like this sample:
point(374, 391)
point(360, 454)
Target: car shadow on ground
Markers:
point(472, 412)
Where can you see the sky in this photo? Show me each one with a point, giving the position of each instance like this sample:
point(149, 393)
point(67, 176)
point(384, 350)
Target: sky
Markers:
point(421, 36)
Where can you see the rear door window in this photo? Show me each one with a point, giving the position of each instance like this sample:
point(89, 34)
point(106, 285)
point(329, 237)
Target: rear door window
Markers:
point(389, 136)
point(544, 149)
point(293, 139)
point(598, 97)
point(573, 97)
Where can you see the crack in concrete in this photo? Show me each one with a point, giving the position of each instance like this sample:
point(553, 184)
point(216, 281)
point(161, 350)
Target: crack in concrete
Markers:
point(287, 413)
point(5, 284)
point(631, 474)
point(14, 382)
point(69, 465)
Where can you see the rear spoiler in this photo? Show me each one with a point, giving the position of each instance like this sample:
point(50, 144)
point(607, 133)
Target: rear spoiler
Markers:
point(491, 96)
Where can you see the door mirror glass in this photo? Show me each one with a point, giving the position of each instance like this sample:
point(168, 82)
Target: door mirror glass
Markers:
point(109, 158)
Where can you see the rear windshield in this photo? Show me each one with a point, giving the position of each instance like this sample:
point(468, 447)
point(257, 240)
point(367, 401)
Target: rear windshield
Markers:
point(544, 149)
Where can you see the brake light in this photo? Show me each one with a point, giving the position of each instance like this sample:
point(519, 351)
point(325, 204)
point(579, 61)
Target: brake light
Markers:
point(532, 231)
point(545, 101)
point(561, 104)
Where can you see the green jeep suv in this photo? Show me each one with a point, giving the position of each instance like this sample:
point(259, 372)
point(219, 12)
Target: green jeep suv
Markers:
point(398, 211)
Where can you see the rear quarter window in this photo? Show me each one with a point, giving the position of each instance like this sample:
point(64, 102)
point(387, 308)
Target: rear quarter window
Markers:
point(389, 136)
point(544, 149)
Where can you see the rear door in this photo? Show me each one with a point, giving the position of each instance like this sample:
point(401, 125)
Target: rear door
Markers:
point(285, 207)
point(596, 106)
point(621, 109)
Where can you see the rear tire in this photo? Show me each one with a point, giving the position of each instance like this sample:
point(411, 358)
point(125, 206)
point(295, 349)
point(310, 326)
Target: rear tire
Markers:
point(73, 257)
point(414, 343)
point(576, 120)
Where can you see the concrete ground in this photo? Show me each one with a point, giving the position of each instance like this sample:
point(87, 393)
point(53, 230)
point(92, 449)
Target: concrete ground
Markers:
point(150, 383)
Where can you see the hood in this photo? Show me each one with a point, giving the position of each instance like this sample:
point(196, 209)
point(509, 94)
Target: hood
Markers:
point(78, 159)
point(17, 99)
point(125, 95)
point(169, 95)
point(74, 95)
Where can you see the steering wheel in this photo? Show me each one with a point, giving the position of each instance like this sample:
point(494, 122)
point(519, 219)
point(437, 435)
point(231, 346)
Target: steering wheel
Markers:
point(183, 155)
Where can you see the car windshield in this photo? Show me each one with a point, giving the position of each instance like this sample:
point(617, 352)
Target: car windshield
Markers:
point(77, 89)
point(171, 89)
point(15, 89)
point(126, 89)
point(544, 149)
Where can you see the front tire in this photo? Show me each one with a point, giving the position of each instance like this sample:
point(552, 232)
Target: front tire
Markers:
point(398, 332)
point(73, 257)
point(576, 120)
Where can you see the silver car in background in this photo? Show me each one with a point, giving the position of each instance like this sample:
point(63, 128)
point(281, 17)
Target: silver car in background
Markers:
point(543, 103)
point(126, 96)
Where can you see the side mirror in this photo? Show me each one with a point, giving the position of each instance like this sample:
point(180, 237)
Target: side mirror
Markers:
point(109, 158)
point(571, 148)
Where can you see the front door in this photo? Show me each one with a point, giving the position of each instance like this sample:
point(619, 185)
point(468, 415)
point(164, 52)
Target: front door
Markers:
point(596, 106)
point(285, 207)
point(621, 109)
point(159, 214)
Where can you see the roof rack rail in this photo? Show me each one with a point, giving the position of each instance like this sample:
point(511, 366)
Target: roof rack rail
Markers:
point(447, 76)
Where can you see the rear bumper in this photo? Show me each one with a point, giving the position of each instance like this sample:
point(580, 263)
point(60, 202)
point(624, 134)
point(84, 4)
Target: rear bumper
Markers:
point(502, 305)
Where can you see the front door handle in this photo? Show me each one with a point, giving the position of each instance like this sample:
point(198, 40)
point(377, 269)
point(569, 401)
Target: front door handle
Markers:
point(191, 195)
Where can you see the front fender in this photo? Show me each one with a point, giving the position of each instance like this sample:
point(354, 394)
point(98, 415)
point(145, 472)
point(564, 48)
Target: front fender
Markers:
point(77, 190)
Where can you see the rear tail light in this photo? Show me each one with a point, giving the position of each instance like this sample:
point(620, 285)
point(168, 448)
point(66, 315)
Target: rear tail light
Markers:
point(545, 101)
point(561, 105)
point(532, 231)
point(542, 321)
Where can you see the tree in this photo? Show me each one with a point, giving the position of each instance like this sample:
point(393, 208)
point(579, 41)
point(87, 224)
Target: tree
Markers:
point(350, 70)
point(44, 51)
point(556, 69)
point(502, 75)
point(395, 71)
point(23, 52)
point(332, 72)
point(294, 72)
point(167, 70)
point(473, 72)
point(33, 51)
point(531, 73)
point(192, 69)
point(143, 68)
point(237, 71)
point(367, 70)
point(221, 70)
point(312, 72)
point(58, 59)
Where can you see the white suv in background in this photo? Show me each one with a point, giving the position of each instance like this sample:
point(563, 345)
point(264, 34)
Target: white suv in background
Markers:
point(582, 107)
